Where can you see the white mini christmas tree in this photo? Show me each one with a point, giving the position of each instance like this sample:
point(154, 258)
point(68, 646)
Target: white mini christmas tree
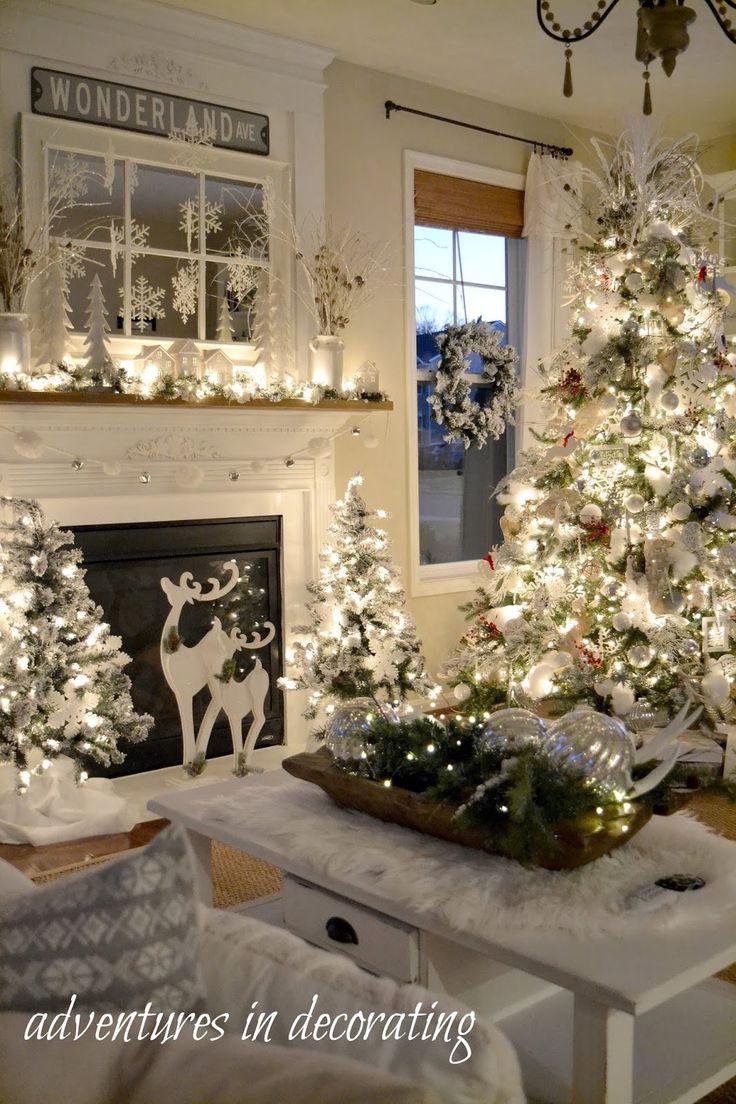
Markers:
point(360, 641)
point(64, 691)
point(616, 583)
point(95, 343)
point(224, 321)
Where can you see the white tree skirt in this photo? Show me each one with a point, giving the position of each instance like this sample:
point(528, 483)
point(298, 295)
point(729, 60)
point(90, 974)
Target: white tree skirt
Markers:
point(55, 809)
point(479, 893)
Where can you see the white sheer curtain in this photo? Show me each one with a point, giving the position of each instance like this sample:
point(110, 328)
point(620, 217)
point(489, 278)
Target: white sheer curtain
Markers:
point(551, 219)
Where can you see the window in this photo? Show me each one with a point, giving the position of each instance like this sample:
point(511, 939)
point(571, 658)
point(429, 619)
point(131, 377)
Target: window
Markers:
point(179, 253)
point(468, 264)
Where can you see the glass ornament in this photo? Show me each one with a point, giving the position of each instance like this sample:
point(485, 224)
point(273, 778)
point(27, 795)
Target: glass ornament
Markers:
point(596, 745)
point(669, 400)
point(630, 425)
point(689, 647)
point(641, 655)
point(634, 503)
point(642, 716)
point(461, 692)
point(512, 730)
point(673, 601)
point(350, 723)
point(699, 458)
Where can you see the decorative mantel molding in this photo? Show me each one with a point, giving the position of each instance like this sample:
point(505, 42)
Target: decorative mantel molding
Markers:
point(150, 63)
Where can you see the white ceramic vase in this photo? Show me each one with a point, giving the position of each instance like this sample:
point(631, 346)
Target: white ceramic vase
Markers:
point(325, 361)
point(15, 343)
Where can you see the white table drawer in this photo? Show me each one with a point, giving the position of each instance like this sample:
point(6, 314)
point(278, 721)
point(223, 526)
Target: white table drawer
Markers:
point(374, 941)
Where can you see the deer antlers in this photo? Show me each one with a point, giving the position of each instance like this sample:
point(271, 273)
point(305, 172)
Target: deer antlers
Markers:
point(187, 591)
point(258, 641)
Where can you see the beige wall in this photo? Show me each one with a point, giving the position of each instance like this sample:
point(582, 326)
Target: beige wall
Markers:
point(365, 190)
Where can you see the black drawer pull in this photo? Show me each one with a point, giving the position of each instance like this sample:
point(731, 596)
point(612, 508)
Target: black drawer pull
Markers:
point(340, 931)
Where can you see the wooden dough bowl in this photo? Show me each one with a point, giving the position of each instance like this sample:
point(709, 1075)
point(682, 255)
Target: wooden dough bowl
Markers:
point(578, 846)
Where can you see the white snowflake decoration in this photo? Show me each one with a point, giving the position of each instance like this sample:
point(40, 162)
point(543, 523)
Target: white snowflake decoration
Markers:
point(190, 219)
point(72, 262)
point(186, 289)
point(242, 276)
point(138, 238)
point(192, 144)
point(146, 302)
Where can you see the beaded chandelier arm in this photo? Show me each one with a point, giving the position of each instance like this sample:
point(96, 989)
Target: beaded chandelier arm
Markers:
point(661, 32)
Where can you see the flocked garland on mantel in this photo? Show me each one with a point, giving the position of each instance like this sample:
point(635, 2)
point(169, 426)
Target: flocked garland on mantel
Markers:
point(467, 420)
point(245, 389)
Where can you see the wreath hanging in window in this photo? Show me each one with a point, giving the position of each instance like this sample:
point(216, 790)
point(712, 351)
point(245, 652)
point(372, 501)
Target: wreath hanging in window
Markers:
point(465, 419)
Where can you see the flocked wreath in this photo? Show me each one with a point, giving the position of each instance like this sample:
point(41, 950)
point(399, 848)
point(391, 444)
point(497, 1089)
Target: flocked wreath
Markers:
point(466, 420)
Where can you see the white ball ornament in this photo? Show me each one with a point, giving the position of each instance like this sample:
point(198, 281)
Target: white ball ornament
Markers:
point(28, 444)
point(634, 503)
point(189, 477)
point(590, 513)
point(622, 699)
point(461, 692)
point(681, 511)
point(634, 282)
point(669, 400)
point(716, 687)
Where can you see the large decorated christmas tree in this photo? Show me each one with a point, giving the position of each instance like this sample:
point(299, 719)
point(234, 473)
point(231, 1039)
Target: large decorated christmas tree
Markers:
point(360, 642)
point(616, 582)
point(63, 690)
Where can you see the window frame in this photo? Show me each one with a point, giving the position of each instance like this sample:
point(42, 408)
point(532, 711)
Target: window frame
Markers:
point(40, 134)
point(459, 575)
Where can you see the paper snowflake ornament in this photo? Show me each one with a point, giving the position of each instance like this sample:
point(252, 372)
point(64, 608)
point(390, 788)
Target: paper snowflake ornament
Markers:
point(146, 302)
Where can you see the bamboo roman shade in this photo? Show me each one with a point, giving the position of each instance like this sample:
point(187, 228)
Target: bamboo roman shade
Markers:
point(457, 204)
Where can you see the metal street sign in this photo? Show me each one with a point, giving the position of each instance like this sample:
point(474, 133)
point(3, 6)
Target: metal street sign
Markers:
point(105, 103)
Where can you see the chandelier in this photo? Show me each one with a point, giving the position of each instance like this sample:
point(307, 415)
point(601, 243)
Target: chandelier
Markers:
point(661, 33)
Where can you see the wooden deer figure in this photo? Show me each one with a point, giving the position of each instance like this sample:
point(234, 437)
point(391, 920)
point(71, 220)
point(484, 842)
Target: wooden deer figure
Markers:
point(237, 698)
point(188, 669)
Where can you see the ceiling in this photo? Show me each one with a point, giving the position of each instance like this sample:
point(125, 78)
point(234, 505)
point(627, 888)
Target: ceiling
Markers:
point(494, 49)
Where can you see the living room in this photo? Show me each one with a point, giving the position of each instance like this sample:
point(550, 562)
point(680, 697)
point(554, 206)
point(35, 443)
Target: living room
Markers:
point(368, 394)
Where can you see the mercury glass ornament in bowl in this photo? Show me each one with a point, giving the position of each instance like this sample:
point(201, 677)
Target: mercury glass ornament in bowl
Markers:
point(350, 723)
point(642, 716)
point(513, 729)
point(596, 745)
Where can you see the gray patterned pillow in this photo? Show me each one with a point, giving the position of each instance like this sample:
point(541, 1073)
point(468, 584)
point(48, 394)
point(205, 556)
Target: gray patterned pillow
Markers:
point(117, 937)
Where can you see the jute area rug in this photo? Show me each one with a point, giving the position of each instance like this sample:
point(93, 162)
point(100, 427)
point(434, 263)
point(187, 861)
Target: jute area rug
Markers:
point(237, 878)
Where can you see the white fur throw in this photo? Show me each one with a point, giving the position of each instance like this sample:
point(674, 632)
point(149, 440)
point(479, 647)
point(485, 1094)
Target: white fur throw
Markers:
point(478, 893)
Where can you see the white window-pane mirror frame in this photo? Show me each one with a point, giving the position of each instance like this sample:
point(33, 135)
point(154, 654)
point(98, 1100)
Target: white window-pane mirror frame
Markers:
point(459, 575)
point(39, 136)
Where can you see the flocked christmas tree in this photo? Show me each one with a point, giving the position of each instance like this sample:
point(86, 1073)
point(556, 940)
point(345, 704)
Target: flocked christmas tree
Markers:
point(224, 321)
point(360, 641)
point(99, 361)
point(57, 312)
point(616, 582)
point(64, 691)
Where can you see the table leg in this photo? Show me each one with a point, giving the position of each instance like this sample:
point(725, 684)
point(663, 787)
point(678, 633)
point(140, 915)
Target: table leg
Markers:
point(202, 849)
point(603, 1054)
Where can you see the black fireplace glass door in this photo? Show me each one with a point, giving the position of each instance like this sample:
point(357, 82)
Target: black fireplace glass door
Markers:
point(124, 567)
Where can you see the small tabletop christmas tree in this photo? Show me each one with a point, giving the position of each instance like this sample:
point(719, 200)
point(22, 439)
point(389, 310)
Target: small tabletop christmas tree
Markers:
point(63, 688)
point(616, 583)
point(360, 640)
point(99, 361)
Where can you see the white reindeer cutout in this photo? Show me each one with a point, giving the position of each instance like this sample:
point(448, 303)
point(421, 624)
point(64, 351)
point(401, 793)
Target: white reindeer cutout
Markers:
point(188, 670)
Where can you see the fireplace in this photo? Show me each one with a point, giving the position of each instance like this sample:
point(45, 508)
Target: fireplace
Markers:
point(124, 567)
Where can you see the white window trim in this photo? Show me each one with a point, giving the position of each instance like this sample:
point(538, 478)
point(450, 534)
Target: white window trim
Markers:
point(39, 132)
point(447, 578)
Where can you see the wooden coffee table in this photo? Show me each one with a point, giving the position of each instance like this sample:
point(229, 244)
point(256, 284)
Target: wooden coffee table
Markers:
point(625, 1020)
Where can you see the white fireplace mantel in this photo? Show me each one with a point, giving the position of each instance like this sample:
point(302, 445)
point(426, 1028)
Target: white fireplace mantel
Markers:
point(219, 440)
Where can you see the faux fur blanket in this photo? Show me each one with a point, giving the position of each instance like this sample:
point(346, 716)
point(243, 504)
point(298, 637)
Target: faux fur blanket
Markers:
point(478, 893)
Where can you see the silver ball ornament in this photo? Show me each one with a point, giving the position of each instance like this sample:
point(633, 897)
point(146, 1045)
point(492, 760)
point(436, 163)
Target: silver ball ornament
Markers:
point(634, 503)
point(630, 425)
point(700, 457)
point(689, 647)
point(673, 601)
point(641, 655)
point(641, 716)
point(596, 745)
point(630, 328)
point(513, 729)
point(669, 400)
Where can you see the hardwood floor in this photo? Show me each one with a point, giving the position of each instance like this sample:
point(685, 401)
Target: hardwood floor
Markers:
point(33, 861)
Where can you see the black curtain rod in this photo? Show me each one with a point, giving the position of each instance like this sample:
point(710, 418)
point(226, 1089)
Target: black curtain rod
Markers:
point(558, 151)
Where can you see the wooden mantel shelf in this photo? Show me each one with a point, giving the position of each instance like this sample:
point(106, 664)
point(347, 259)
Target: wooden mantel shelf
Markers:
point(108, 398)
